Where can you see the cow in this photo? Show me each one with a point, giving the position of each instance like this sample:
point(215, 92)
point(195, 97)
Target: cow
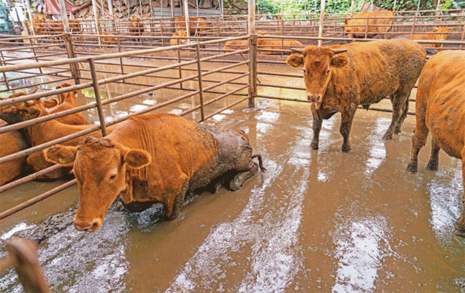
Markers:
point(197, 25)
point(439, 34)
point(43, 132)
point(152, 158)
point(339, 78)
point(263, 44)
point(440, 108)
point(110, 39)
point(176, 41)
point(11, 142)
point(136, 27)
point(357, 27)
point(67, 101)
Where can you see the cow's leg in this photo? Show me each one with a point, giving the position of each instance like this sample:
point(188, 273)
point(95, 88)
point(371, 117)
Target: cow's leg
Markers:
point(317, 122)
point(240, 178)
point(434, 159)
point(172, 209)
point(418, 141)
point(460, 224)
point(346, 124)
point(402, 117)
point(398, 104)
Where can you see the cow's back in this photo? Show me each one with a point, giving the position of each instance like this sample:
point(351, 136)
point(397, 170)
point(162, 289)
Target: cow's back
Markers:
point(377, 69)
point(442, 89)
point(372, 18)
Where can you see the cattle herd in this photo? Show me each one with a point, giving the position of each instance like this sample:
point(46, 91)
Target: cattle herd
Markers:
point(161, 157)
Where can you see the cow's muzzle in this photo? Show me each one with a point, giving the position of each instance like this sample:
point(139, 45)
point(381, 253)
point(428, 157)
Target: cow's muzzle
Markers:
point(314, 98)
point(90, 226)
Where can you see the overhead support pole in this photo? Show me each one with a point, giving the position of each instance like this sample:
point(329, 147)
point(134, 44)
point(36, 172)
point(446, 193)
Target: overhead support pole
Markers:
point(322, 20)
point(186, 17)
point(394, 8)
point(110, 7)
point(197, 4)
point(172, 8)
point(352, 6)
point(253, 46)
point(151, 10)
point(222, 7)
point(64, 16)
point(28, 5)
point(418, 7)
point(97, 25)
point(437, 7)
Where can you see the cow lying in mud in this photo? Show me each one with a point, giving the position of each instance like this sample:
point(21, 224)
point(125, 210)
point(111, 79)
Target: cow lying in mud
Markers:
point(440, 108)
point(152, 158)
point(340, 78)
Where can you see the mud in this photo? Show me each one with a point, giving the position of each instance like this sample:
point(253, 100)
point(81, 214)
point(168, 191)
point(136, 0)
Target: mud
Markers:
point(316, 221)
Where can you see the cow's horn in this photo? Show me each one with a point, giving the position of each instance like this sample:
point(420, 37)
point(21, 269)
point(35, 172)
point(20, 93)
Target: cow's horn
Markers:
point(297, 50)
point(337, 51)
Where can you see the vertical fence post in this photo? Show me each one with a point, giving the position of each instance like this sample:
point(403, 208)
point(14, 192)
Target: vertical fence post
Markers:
point(413, 26)
point(172, 8)
point(366, 27)
point(97, 25)
point(35, 54)
point(394, 8)
point(73, 67)
point(64, 16)
point(352, 6)
point(252, 54)
point(98, 100)
point(4, 73)
point(120, 58)
point(179, 68)
point(186, 17)
point(199, 72)
point(322, 20)
point(28, 7)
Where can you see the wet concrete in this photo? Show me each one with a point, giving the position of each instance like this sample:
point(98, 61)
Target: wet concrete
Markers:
point(316, 221)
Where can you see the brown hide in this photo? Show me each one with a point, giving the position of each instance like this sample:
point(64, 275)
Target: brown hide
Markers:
point(364, 75)
point(10, 143)
point(53, 27)
point(109, 40)
point(440, 108)
point(196, 24)
point(264, 44)
point(151, 158)
point(67, 101)
point(136, 27)
point(443, 33)
point(359, 31)
point(181, 33)
point(44, 132)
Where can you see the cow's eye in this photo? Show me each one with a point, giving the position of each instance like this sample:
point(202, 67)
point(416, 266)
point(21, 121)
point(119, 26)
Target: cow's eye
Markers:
point(305, 71)
point(112, 176)
point(327, 72)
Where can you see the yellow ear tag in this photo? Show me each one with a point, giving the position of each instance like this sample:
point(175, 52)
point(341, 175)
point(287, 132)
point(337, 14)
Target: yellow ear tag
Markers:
point(61, 160)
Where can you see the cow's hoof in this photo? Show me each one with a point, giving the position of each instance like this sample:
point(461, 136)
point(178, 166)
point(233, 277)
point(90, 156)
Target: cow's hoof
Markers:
point(314, 146)
point(235, 185)
point(346, 149)
point(432, 166)
point(387, 136)
point(412, 167)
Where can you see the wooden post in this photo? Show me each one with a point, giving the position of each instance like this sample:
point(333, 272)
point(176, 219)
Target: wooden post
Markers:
point(437, 8)
point(172, 8)
point(413, 26)
point(418, 7)
point(252, 54)
point(64, 16)
point(110, 8)
point(222, 7)
point(322, 20)
point(394, 8)
point(186, 17)
point(366, 27)
point(28, 5)
point(197, 4)
point(352, 6)
point(140, 7)
point(97, 25)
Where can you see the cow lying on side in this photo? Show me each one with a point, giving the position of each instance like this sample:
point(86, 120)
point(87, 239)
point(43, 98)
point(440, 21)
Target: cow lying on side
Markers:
point(374, 18)
point(340, 78)
point(197, 25)
point(176, 41)
point(110, 40)
point(152, 158)
point(440, 108)
point(264, 44)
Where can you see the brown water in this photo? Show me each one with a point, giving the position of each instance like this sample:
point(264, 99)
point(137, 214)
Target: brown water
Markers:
point(316, 221)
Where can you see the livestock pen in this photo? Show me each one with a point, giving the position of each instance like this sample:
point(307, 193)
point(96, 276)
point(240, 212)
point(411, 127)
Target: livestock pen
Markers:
point(316, 221)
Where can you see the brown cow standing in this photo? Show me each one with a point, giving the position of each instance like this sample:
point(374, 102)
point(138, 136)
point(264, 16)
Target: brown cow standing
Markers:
point(439, 34)
point(152, 158)
point(359, 25)
point(67, 101)
point(136, 27)
point(110, 40)
point(440, 108)
point(196, 24)
point(340, 78)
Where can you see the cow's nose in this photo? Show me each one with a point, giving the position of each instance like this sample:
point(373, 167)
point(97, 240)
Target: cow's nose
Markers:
point(312, 98)
point(91, 226)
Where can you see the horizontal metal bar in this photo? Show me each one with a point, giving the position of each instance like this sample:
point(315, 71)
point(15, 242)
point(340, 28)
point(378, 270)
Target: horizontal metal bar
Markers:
point(226, 108)
point(29, 178)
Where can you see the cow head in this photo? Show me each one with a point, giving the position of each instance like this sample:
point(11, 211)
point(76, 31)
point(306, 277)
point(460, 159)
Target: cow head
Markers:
point(68, 96)
point(23, 111)
point(100, 167)
point(318, 63)
point(444, 30)
point(134, 19)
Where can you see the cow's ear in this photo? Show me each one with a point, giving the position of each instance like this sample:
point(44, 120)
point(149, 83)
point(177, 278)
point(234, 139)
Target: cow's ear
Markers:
point(339, 60)
point(50, 103)
point(294, 60)
point(62, 155)
point(346, 21)
point(137, 158)
point(33, 113)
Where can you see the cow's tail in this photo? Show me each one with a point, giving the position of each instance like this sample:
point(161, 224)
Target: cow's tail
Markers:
point(260, 162)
